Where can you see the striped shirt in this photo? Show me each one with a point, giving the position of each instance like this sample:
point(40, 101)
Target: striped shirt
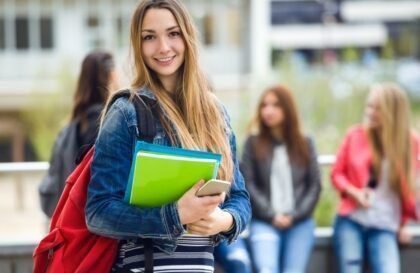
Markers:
point(194, 254)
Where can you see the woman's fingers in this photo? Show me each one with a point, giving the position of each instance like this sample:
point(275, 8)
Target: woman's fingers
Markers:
point(201, 227)
point(191, 208)
point(212, 200)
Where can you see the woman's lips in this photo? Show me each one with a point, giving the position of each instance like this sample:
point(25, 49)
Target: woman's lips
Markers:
point(165, 61)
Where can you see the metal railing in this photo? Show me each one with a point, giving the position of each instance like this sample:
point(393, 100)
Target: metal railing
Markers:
point(20, 169)
point(14, 167)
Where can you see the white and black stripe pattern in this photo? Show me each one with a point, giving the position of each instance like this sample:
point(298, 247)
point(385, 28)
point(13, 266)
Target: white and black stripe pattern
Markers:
point(194, 254)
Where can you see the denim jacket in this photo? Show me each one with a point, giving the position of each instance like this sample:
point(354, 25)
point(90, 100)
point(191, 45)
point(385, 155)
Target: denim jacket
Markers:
point(107, 213)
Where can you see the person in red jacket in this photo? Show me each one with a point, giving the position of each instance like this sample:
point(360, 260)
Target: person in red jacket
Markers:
point(374, 174)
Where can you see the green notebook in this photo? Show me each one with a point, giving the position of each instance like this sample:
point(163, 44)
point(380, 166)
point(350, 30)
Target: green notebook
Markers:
point(161, 175)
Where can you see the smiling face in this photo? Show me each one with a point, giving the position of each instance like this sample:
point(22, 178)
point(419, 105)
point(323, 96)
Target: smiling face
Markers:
point(163, 47)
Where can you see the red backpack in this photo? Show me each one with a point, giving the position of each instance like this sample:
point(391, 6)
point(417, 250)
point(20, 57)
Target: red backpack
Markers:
point(70, 247)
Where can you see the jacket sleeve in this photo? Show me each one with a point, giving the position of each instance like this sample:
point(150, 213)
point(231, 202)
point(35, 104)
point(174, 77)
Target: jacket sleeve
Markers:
point(107, 213)
point(237, 202)
point(411, 202)
point(338, 173)
point(417, 175)
point(261, 206)
point(306, 207)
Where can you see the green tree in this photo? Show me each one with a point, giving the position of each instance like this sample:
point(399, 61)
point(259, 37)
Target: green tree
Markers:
point(47, 114)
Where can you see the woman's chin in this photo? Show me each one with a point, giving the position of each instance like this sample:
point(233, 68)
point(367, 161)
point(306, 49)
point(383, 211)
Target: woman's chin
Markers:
point(373, 125)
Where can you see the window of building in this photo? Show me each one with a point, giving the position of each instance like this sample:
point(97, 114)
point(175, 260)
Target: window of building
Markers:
point(233, 28)
point(6, 149)
point(93, 29)
point(290, 12)
point(122, 28)
point(208, 29)
point(22, 33)
point(46, 32)
point(92, 21)
point(2, 34)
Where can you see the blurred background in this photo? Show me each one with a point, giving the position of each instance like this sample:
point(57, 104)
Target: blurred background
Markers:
point(327, 51)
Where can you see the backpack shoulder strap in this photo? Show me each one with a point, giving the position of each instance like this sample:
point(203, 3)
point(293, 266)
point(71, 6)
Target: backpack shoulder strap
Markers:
point(144, 114)
point(146, 129)
point(145, 119)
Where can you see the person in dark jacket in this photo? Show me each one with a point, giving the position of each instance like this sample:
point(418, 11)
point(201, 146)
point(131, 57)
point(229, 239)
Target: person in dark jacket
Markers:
point(97, 77)
point(282, 176)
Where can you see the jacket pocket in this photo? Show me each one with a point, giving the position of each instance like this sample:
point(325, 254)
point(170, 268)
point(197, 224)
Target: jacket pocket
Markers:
point(48, 249)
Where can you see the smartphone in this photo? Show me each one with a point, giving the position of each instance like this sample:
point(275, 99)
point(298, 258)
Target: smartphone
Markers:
point(213, 187)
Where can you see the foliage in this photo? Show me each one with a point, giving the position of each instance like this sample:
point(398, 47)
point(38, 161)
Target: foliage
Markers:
point(48, 114)
point(350, 54)
point(388, 51)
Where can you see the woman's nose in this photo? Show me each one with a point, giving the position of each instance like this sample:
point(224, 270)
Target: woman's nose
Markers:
point(164, 46)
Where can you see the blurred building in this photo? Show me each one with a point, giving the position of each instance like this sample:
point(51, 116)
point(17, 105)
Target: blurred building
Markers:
point(242, 40)
point(313, 28)
point(42, 39)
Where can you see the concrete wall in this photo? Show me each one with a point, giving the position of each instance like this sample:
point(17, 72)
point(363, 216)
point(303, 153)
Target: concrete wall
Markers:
point(18, 258)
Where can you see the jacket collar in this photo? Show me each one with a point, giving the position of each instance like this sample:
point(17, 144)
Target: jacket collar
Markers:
point(145, 91)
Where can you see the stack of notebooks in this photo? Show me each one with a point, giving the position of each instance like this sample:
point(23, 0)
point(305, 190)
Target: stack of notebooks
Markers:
point(161, 175)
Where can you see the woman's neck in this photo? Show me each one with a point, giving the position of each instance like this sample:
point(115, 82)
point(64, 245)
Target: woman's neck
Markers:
point(277, 133)
point(169, 83)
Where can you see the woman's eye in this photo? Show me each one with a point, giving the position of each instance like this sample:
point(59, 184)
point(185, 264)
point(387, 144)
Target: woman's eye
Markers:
point(148, 37)
point(174, 33)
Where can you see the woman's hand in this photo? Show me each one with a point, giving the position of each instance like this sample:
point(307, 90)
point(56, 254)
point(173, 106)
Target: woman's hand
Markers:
point(217, 221)
point(192, 208)
point(404, 237)
point(361, 196)
point(282, 221)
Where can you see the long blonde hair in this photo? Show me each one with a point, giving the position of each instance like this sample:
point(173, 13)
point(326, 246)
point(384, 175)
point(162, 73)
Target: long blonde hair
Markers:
point(393, 140)
point(192, 117)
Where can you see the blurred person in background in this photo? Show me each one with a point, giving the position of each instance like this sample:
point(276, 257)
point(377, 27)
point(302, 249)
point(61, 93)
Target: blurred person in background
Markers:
point(374, 175)
point(234, 257)
point(97, 78)
point(283, 179)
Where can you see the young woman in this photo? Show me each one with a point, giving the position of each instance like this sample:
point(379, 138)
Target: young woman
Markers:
point(374, 174)
point(164, 47)
point(97, 78)
point(282, 175)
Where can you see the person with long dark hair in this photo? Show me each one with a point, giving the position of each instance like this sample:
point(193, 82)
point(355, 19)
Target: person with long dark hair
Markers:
point(282, 176)
point(96, 81)
point(97, 78)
